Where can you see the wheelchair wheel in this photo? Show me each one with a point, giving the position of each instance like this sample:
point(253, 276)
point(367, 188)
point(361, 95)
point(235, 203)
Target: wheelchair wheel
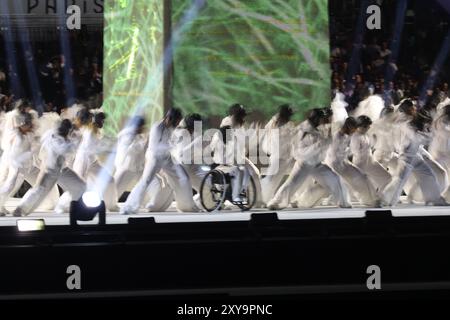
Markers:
point(249, 195)
point(213, 190)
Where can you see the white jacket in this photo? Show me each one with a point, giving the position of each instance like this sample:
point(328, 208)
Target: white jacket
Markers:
point(370, 107)
point(311, 144)
point(54, 149)
point(280, 143)
point(130, 150)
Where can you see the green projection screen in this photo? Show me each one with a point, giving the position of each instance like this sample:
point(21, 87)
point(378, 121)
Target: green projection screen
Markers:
point(261, 53)
point(133, 49)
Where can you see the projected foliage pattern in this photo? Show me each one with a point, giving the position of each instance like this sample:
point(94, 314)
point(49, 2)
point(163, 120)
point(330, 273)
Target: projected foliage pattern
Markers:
point(261, 53)
point(133, 40)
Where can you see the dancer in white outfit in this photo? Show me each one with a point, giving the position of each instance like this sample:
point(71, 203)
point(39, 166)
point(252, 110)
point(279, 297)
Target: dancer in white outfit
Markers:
point(158, 158)
point(283, 129)
point(371, 106)
point(309, 153)
point(129, 163)
point(55, 145)
point(235, 120)
point(362, 155)
point(19, 158)
point(337, 159)
point(87, 166)
point(411, 136)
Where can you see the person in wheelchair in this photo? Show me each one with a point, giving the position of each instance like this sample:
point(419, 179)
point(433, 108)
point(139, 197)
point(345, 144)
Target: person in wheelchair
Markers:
point(228, 147)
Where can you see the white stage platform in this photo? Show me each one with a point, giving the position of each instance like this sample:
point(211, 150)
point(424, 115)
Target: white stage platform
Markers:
point(171, 216)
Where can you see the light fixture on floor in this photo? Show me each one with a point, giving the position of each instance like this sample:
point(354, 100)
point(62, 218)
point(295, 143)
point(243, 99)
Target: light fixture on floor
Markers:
point(24, 225)
point(87, 208)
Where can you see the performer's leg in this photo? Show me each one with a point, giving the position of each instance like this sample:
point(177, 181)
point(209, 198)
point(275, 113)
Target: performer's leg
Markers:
point(179, 181)
point(136, 196)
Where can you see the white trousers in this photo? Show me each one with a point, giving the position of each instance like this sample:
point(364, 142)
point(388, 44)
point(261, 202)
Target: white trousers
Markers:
point(275, 175)
point(66, 178)
point(178, 180)
point(358, 182)
point(379, 176)
point(424, 176)
point(300, 173)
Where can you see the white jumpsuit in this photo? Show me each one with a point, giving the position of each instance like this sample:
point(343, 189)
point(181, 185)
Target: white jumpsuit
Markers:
point(411, 162)
point(158, 158)
point(309, 152)
point(129, 163)
point(338, 106)
point(230, 157)
point(363, 159)
point(370, 107)
point(19, 157)
point(87, 166)
point(337, 159)
point(52, 171)
point(277, 144)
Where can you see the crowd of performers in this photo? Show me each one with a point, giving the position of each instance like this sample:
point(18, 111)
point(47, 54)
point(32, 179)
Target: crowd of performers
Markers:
point(368, 158)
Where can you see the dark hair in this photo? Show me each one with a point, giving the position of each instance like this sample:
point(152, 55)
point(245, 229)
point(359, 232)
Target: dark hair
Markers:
point(420, 120)
point(406, 107)
point(65, 127)
point(364, 122)
point(190, 121)
point(237, 113)
point(386, 110)
point(349, 123)
point(327, 113)
point(84, 116)
point(445, 113)
point(99, 119)
point(315, 117)
point(285, 113)
point(236, 109)
point(174, 116)
point(223, 131)
point(137, 122)
point(22, 104)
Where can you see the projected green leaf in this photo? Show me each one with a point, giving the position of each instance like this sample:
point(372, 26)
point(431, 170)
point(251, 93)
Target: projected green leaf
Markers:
point(133, 40)
point(261, 53)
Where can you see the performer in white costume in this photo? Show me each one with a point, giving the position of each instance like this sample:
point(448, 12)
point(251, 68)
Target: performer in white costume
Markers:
point(337, 159)
point(19, 157)
point(278, 143)
point(158, 158)
point(411, 136)
point(55, 145)
point(309, 153)
point(87, 166)
point(371, 107)
point(362, 155)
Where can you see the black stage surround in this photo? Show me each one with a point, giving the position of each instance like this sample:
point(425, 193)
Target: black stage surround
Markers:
point(317, 258)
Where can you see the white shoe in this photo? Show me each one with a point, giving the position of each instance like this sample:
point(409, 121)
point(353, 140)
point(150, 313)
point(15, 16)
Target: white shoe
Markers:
point(127, 211)
point(237, 199)
point(59, 210)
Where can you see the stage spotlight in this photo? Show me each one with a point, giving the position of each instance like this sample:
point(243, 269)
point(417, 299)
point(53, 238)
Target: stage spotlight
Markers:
point(87, 208)
point(91, 199)
point(31, 225)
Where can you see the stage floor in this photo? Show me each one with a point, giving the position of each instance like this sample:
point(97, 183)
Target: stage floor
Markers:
point(172, 215)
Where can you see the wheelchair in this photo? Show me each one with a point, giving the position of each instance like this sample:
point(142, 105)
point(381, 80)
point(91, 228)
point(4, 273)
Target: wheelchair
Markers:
point(216, 188)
